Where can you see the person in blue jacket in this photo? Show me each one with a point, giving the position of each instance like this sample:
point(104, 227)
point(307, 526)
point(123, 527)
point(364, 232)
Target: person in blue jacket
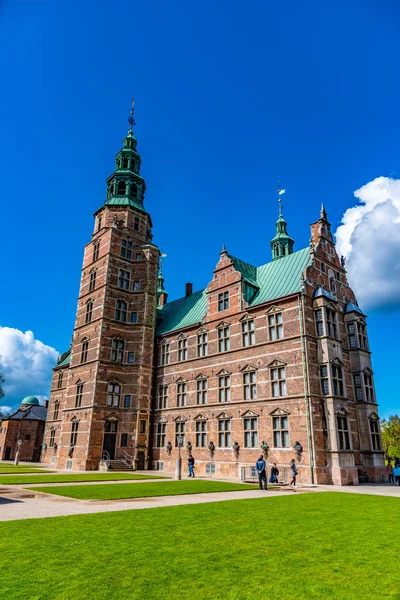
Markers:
point(262, 476)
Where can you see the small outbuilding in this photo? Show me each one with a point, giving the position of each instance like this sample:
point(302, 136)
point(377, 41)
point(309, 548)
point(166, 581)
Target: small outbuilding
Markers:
point(26, 424)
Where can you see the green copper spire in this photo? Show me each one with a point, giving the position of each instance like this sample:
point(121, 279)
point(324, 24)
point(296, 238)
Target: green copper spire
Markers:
point(161, 292)
point(125, 186)
point(281, 244)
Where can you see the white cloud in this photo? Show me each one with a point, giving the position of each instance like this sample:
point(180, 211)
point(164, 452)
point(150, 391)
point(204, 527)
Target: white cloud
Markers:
point(26, 365)
point(5, 409)
point(369, 237)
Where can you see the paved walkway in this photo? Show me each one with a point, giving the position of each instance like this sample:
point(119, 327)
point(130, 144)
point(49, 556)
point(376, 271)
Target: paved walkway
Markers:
point(18, 502)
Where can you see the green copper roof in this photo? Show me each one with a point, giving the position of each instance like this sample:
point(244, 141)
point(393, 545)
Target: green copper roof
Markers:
point(124, 201)
point(274, 280)
point(64, 359)
point(31, 400)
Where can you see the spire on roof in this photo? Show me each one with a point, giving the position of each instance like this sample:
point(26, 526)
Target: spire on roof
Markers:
point(223, 250)
point(322, 213)
point(161, 293)
point(281, 244)
point(131, 119)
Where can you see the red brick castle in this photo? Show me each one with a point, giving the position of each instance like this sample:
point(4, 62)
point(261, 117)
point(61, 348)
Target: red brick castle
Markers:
point(272, 359)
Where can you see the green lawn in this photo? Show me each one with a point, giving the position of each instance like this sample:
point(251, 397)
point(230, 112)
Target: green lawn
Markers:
point(66, 478)
point(300, 546)
point(14, 470)
point(143, 490)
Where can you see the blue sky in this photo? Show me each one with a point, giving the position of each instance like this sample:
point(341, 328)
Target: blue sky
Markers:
point(231, 97)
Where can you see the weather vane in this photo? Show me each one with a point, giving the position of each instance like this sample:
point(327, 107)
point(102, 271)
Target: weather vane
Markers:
point(131, 119)
point(280, 194)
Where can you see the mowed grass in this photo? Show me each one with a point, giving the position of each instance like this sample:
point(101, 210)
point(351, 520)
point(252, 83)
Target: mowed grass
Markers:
point(302, 546)
point(14, 470)
point(73, 478)
point(143, 490)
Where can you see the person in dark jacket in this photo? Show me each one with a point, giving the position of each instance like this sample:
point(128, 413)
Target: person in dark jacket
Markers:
point(191, 466)
point(274, 474)
point(262, 476)
point(293, 472)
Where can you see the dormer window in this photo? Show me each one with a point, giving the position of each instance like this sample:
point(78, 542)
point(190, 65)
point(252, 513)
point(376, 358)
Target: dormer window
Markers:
point(223, 301)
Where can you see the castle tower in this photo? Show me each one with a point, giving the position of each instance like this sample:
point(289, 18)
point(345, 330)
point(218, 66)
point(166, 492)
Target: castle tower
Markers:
point(281, 244)
point(105, 408)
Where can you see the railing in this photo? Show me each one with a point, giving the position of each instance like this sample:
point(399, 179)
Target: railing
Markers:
point(106, 458)
point(127, 459)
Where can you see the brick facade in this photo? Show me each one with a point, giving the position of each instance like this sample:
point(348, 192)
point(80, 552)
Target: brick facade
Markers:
point(282, 371)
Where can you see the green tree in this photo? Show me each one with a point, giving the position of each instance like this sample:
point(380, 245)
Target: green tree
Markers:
point(391, 436)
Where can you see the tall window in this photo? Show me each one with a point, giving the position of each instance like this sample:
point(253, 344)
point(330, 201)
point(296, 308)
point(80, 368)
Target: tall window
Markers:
point(224, 388)
point(124, 278)
point(369, 390)
point(357, 387)
point(127, 401)
point(74, 433)
point(248, 333)
point(136, 286)
point(124, 440)
point(343, 432)
point(323, 373)
point(179, 431)
point(202, 344)
point(202, 387)
point(280, 427)
point(250, 433)
point(181, 393)
point(113, 394)
point(331, 322)
point(89, 311)
point(136, 223)
point(99, 223)
point(78, 395)
point(250, 385)
point(56, 410)
point(278, 379)
point(131, 358)
point(84, 351)
point(96, 248)
point(160, 435)
point(275, 326)
point(223, 301)
point(117, 350)
point(164, 354)
point(351, 334)
point(60, 379)
point(182, 349)
point(126, 249)
point(121, 310)
point(375, 436)
point(201, 434)
point(163, 396)
point(134, 317)
point(319, 322)
point(52, 436)
point(92, 281)
point(121, 188)
point(224, 433)
point(337, 379)
point(223, 339)
point(362, 337)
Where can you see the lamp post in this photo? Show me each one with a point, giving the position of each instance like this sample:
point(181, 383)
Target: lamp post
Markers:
point(178, 467)
point(19, 444)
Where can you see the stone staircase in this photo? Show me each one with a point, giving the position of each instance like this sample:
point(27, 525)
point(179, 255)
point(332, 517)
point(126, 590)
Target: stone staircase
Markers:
point(119, 465)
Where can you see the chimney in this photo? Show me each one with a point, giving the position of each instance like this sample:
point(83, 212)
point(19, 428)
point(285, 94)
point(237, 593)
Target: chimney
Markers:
point(189, 289)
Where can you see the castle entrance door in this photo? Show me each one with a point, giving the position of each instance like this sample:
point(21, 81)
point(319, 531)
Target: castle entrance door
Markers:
point(110, 437)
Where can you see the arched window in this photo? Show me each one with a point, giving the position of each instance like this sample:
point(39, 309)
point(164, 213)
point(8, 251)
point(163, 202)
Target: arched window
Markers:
point(121, 309)
point(74, 432)
point(117, 350)
point(56, 411)
point(79, 393)
point(121, 188)
point(52, 436)
point(60, 379)
point(84, 351)
point(89, 311)
point(134, 190)
point(125, 162)
point(96, 248)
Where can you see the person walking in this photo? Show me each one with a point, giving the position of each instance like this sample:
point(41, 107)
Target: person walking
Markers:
point(396, 475)
point(262, 476)
point(293, 472)
point(389, 470)
point(274, 474)
point(191, 466)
